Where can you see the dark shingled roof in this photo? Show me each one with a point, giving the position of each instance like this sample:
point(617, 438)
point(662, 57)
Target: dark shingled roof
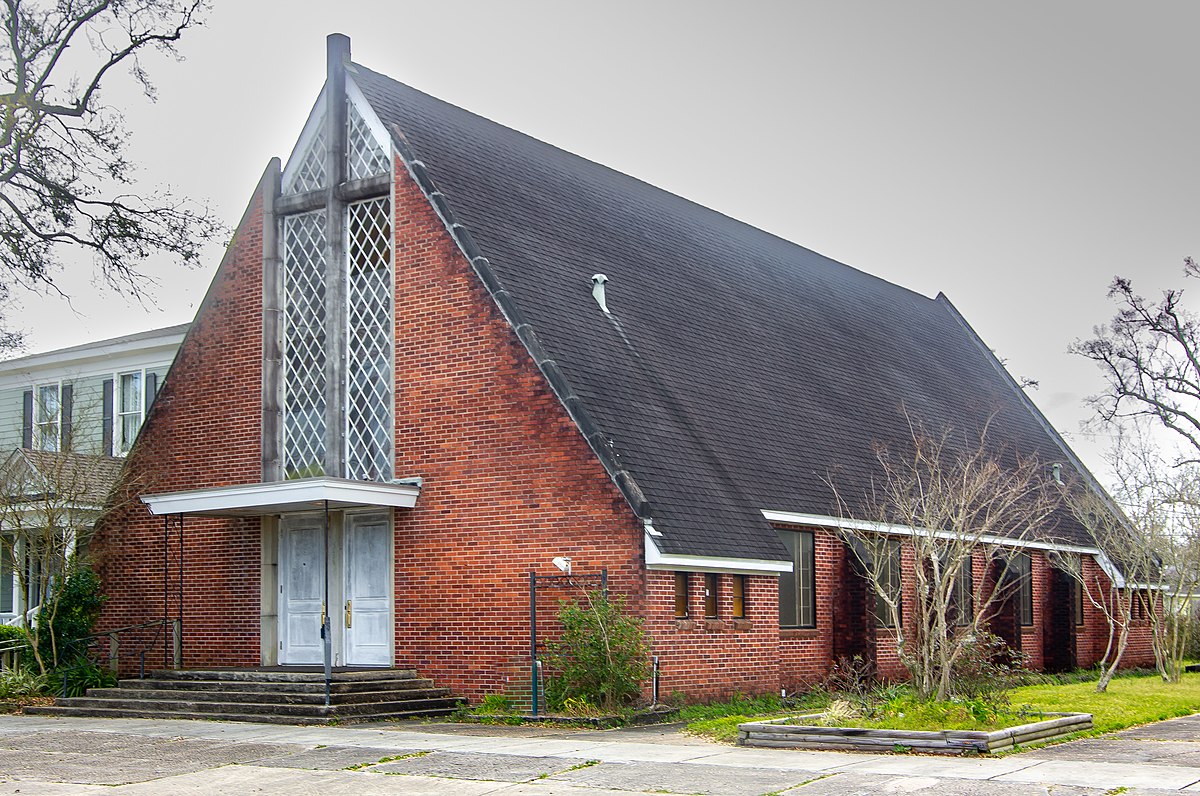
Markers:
point(743, 370)
point(68, 477)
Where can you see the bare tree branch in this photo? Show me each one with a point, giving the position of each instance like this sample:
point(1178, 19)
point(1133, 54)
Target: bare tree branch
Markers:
point(63, 168)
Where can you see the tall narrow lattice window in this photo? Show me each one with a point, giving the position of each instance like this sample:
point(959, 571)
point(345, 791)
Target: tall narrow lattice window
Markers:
point(304, 345)
point(369, 381)
point(310, 175)
point(364, 156)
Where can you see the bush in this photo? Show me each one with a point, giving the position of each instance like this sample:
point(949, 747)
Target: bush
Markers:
point(20, 683)
point(601, 657)
point(988, 670)
point(80, 676)
point(70, 615)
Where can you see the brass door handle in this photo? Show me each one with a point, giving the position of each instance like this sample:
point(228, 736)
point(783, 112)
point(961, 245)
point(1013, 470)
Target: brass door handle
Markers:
point(348, 605)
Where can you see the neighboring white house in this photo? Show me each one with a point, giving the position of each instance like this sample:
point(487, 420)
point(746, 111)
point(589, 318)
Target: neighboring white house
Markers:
point(72, 410)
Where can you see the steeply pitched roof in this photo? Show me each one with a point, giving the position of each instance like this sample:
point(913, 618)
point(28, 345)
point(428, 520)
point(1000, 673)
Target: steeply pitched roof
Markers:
point(742, 370)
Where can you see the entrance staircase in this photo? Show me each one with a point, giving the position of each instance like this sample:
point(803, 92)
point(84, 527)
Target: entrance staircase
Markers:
point(275, 696)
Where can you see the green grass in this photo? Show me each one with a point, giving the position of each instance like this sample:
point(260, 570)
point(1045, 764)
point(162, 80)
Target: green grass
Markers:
point(1129, 701)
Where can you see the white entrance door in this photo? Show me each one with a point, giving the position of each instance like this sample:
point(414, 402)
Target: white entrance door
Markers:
point(367, 591)
point(302, 589)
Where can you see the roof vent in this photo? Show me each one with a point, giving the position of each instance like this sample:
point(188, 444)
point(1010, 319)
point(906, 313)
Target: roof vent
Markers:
point(598, 282)
point(1056, 472)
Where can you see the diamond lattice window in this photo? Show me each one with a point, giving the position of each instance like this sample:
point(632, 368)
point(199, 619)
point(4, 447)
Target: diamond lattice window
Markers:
point(364, 156)
point(370, 320)
point(310, 174)
point(304, 345)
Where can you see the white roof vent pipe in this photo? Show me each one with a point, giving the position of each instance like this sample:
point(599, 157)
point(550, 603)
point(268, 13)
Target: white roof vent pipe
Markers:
point(598, 282)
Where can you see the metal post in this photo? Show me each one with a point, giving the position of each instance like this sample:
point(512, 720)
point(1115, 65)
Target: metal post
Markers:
point(177, 643)
point(326, 628)
point(533, 668)
point(166, 581)
point(654, 683)
point(179, 628)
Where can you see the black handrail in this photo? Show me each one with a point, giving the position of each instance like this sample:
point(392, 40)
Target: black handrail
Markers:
point(74, 645)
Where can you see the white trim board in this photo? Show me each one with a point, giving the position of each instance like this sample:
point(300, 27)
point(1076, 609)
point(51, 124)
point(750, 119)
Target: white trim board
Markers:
point(657, 560)
point(834, 523)
point(301, 494)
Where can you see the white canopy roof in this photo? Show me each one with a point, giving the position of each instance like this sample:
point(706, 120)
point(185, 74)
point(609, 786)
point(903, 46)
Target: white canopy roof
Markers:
point(284, 497)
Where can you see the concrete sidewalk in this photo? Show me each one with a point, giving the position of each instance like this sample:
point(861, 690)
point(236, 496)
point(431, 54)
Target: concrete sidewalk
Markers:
point(136, 756)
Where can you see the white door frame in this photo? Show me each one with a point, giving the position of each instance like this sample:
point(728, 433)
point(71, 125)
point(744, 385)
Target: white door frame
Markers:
point(339, 523)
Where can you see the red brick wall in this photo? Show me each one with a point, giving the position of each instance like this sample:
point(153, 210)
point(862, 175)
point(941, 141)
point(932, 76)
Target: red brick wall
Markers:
point(202, 431)
point(714, 659)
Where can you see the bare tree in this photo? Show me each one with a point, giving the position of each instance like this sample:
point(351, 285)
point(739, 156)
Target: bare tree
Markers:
point(949, 506)
point(49, 504)
point(1149, 354)
point(65, 180)
point(1105, 588)
point(1162, 500)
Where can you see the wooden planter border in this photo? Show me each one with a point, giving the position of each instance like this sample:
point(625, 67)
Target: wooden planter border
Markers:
point(808, 736)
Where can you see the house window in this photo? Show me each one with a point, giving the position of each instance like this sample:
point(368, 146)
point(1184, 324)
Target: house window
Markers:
point(738, 592)
point(711, 605)
point(7, 576)
point(130, 404)
point(889, 584)
point(47, 417)
point(962, 593)
point(797, 589)
point(1023, 572)
point(681, 595)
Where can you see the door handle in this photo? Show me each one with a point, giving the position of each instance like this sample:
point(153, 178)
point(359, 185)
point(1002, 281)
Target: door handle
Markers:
point(348, 606)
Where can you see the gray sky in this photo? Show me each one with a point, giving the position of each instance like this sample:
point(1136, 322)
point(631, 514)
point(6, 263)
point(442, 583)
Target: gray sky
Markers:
point(1015, 155)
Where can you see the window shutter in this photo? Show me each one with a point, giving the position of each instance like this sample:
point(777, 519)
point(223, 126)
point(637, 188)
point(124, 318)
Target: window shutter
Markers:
point(65, 421)
point(151, 389)
point(107, 424)
point(27, 420)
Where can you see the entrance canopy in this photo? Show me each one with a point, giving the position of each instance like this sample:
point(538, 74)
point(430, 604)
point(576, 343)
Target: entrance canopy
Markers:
point(285, 497)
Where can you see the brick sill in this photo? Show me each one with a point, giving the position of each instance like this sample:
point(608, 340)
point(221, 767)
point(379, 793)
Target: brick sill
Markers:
point(799, 633)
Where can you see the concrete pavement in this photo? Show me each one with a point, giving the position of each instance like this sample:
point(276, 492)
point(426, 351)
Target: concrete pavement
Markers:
point(138, 756)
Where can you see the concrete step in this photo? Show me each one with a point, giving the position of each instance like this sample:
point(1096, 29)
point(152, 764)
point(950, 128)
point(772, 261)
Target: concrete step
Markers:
point(281, 676)
point(318, 687)
point(158, 706)
point(125, 713)
point(240, 695)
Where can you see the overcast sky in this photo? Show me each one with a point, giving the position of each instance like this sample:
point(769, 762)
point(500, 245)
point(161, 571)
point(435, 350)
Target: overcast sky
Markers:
point(1013, 155)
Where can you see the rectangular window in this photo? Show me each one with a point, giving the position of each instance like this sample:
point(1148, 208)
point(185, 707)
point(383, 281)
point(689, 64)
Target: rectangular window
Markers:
point(739, 596)
point(681, 595)
point(798, 589)
point(1023, 572)
point(128, 420)
point(962, 595)
point(711, 605)
point(7, 577)
point(889, 582)
point(47, 416)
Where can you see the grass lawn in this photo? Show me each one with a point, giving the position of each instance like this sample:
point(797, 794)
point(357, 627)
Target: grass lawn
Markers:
point(1129, 701)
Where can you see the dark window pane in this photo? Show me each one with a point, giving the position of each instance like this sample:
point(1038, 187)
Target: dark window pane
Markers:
point(1024, 567)
point(681, 595)
point(739, 596)
point(806, 581)
point(788, 616)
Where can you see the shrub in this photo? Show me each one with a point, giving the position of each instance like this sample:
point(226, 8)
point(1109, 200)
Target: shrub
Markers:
point(69, 616)
point(493, 704)
point(80, 676)
point(19, 683)
point(988, 670)
point(601, 656)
